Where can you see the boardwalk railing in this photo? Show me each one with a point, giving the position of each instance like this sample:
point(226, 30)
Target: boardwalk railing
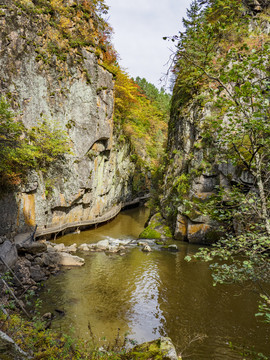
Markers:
point(98, 220)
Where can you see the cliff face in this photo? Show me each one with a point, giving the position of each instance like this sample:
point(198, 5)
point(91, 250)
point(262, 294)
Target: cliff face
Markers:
point(194, 173)
point(73, 91)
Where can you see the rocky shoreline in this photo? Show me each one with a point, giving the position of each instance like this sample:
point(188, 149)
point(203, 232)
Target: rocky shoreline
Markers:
point(24, 266)
point(33, 262)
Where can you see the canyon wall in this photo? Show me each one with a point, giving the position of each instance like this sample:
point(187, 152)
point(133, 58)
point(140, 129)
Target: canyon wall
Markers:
point(75, 93)
point(190, 198)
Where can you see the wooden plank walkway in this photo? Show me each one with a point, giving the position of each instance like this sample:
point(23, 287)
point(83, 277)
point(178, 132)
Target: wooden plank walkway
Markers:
point(98, 220)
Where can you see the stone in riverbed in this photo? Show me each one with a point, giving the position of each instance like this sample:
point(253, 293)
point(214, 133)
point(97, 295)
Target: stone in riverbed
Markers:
point(162, 349)
point(146, 248)
point(173, 248)
point(84, 247)
point(59, 247)
point(71, 248)
point(67, 259)
point(102, 245)
point(55, 258)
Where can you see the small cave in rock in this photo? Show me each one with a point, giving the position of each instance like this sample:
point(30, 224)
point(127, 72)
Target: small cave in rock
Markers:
point(100, 147)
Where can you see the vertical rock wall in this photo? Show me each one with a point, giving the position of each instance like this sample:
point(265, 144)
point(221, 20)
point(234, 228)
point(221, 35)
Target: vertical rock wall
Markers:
point(194, 175)
point(77, 96)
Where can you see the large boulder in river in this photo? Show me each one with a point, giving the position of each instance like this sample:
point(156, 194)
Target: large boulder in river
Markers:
point(162, 349)
point(8, 254)
point(54, 258)
point(156, 229)
point(67, 259)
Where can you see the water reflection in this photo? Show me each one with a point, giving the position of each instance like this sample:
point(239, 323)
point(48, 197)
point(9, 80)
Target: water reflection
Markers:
point(154, 294)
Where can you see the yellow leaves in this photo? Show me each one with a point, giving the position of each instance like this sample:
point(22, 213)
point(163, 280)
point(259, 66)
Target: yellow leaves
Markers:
point(57, 5)
point(143, 122)
point(126, 93)
point(65, 23)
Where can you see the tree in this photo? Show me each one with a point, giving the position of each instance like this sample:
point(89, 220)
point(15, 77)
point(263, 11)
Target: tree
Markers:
point(234, 81)
point(22, 150)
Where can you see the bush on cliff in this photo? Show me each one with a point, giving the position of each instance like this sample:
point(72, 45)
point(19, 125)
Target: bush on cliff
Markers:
point(24, 149)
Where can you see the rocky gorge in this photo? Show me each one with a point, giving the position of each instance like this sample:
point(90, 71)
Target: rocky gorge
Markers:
point(59, 73)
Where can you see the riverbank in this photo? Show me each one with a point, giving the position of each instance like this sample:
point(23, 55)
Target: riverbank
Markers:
point(35, 263)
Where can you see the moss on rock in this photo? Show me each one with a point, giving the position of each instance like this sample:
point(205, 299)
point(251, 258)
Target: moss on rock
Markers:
point(157, 229)
point(160, 349)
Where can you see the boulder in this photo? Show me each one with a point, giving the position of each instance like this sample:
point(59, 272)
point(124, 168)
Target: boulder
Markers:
point(103, 244)
point(33, 248)
point(50, 259)
point(37, 274)
point(67, 259)
point(59, 247)
point(8, 254)
point(156, 229)
point(84, 247)
point(173, 248)
point(9, 350)
point(162, 349)
point(71, 248)
point(22, 271)
point(146, 248)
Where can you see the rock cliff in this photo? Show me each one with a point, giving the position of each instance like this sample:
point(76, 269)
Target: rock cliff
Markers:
point(45, 76)
point(194, 173)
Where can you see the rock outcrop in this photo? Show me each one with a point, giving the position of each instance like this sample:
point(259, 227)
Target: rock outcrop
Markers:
point(195, 174)
point(9, 350)
point(8, 254)
point(75, 92)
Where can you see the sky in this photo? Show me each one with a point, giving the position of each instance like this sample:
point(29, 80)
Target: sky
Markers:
point(139, 26)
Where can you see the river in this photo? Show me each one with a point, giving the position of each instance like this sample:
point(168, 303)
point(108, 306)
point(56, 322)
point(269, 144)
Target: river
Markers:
point(149, 295)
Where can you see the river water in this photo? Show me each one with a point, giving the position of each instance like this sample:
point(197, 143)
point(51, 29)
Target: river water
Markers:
point(149, 295)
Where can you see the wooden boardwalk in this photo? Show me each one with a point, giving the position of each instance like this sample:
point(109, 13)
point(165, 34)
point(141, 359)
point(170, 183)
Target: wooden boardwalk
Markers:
point(85, 223)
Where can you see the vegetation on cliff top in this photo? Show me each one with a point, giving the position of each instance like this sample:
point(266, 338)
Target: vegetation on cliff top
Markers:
point(68, 25)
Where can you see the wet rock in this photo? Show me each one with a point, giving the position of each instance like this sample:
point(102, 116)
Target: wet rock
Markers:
point(146, 248)
point(8, 253)
point(59, 247)
point(103, 244)
point(32, 248)
point(156, 229)
point(67, 259)
point(173, 248)
point(50, 259)
point(141, 243)
point(162, 349)
point(71, 248)
point(112, 249)
point(84, 247)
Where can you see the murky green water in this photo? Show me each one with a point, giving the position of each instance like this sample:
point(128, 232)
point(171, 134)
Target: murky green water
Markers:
point(153, 294)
